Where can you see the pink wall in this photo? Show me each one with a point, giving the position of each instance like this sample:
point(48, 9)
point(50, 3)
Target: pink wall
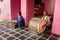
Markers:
point(5, 10)
point(49, 6)
point(23, 9)
point(30, 9)
point(56, 21)
point(27, 9)
point(15, 8)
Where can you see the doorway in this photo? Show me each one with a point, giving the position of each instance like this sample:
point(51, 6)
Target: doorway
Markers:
point(38, 7)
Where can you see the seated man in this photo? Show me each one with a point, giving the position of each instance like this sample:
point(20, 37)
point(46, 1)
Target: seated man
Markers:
point(46, 18)
point(45, 21)
point(19, 21)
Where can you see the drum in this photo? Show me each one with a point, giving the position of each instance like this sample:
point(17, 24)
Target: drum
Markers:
point(35, 25)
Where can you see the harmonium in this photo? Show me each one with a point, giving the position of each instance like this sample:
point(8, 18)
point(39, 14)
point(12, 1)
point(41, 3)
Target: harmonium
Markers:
point(35, 26)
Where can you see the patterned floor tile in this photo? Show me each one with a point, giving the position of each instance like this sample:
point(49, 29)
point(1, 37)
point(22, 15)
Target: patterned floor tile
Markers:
point(16, 35)
point(48, 33)
point(17, 30)
point(34, 37)
point(1, 38)
point(2, 24)
point(55, 35)
point(1, 27)
point(10, 38)
point(1, 33)
point(41, 39)
point(28, 34)
point(26, 30)
point(16, 39)
point(22, 28)
point(7, 31)
point(5, 35)
point(52, 38)
point(22, 37)
point(24, 34)
point(12, 32)
point(29, 39)
point(45, 36)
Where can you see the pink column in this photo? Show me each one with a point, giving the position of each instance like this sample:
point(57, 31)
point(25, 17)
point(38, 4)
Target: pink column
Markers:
point(27, 9)
point(15, 8)
point(56, 21)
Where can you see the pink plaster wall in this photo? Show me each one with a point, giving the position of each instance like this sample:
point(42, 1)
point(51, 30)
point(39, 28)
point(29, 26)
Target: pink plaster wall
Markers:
point(5, 10)
point(30, 9)
point(27, 9)
point(23, 9)
point(56, 21)
point(49, 6)
point(15, 8)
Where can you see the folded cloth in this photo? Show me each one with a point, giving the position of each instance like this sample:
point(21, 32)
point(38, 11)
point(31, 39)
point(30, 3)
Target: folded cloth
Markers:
point(43, 23)
point(42, 26)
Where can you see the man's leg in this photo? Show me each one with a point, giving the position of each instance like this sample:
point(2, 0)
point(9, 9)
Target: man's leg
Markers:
point(16, 25)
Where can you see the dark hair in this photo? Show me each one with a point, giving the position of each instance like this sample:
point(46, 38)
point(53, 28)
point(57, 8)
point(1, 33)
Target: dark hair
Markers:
point(46, 12)
point(20, 13)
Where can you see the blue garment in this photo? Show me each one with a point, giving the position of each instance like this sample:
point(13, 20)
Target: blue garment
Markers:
point(19, 19)
point(20, 22)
